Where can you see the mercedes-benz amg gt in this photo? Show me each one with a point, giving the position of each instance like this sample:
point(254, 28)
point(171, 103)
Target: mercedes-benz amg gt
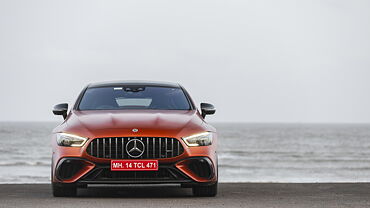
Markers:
point(134, 132)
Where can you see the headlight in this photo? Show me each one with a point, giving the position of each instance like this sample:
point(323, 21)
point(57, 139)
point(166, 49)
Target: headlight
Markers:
point(70, 140)
point(202, 139)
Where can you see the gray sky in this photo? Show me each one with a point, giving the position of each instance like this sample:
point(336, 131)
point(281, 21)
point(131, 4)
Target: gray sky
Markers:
point(257, 61)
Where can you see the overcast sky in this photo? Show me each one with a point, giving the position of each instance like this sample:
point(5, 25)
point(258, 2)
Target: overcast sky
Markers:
point(256, 61)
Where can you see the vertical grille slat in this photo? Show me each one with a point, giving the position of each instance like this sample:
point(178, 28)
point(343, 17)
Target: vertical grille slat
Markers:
point(147, 147)
point(154, 147)
point(104, 148)
point(116, 148)
point(97, 148)
point(123, 148)
point(110, 147)
point(141, 138)
point(165, 151)
point(171, 147)
point(160, 147)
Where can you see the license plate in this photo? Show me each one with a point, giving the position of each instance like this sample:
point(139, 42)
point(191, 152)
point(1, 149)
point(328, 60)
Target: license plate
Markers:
point(134, 165)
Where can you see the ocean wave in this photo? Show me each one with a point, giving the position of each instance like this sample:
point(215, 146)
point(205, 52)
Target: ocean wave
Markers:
point(4, 131)
point(18, 163)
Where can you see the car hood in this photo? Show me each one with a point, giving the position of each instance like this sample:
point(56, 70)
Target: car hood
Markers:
point(153, 123)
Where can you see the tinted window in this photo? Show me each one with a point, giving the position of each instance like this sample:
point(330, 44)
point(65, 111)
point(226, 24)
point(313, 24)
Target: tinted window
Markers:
point(112, 98)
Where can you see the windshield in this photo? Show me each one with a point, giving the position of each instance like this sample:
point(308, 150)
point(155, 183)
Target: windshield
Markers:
point(134, 97)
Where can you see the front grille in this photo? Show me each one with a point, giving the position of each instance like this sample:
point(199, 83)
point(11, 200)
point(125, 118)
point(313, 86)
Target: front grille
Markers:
point(154, 148)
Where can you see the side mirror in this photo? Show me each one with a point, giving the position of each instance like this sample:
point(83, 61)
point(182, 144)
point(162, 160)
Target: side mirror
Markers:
point(207, 109)
point(61, 109)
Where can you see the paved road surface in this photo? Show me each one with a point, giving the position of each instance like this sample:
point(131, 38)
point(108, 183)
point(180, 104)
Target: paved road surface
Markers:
point(230, 195)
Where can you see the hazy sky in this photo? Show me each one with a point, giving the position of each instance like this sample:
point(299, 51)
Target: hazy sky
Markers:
point(256, 61)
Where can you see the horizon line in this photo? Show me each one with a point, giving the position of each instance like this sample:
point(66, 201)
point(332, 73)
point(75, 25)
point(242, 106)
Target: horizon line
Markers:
point(215, 122)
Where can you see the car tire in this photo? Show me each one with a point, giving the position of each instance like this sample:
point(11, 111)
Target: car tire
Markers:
point(64, 190)
point(205, 191)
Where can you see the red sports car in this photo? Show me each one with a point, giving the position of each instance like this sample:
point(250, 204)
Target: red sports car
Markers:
point(134, 132)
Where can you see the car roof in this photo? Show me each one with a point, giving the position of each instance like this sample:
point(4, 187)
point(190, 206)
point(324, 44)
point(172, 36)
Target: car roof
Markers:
point(133, 83)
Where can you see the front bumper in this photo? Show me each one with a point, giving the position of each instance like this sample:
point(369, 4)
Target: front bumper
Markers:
point(187, 172)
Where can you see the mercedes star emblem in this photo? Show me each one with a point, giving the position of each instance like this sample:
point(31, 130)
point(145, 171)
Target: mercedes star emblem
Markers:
point(135, 130)
point(135, 148)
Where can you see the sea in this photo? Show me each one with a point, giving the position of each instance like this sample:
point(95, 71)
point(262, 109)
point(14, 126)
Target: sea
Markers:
point(248, 152)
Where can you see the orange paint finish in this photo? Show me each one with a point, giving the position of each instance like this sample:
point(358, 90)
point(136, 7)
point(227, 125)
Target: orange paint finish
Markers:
point(93, 124)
